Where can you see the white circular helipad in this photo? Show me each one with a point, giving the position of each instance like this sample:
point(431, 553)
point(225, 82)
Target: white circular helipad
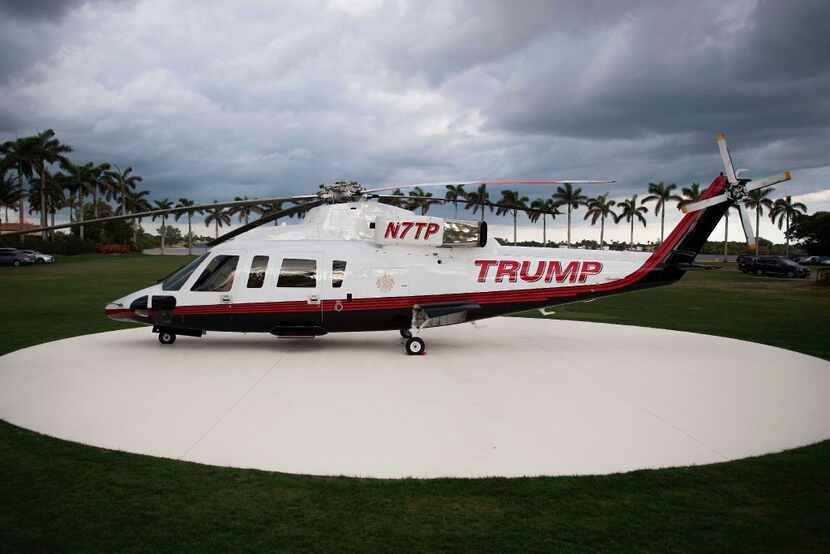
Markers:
point(509, 396)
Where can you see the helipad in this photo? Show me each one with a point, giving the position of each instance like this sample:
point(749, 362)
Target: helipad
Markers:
point(509, 397)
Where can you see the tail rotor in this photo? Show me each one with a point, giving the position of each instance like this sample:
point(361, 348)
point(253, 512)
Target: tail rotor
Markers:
point(737, 189)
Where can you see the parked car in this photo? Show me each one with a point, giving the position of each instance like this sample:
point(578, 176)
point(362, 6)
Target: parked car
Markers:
point(814, 260)
point(773, 265)
point(15, 257)
point(746, 263)
point(40, 257)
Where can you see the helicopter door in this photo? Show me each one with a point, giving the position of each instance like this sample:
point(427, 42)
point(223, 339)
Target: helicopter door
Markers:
point(299, 280)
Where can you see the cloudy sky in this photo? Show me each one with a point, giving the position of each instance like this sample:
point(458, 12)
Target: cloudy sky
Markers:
point(210, 100)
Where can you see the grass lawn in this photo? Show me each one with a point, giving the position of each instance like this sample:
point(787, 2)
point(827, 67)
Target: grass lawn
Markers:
point(61, 496)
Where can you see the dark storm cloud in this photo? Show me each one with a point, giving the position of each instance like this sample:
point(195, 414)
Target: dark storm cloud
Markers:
point(678, 69)
point(37, 9)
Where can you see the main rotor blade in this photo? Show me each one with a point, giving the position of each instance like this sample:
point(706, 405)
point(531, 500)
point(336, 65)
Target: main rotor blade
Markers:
point(497, 182)
point(151, 213)
point(727, 159)
point(746, 221)
point(462, 201)
point(263, 220)
point(701, 204)
point(768, 181)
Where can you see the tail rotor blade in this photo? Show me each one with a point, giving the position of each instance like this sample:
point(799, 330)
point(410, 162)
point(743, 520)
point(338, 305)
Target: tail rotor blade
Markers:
point(727, 159)
point(701, 204)
point(768, 181)
point(746, 221)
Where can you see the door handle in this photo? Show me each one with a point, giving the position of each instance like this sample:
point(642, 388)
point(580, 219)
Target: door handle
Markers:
point(314, 299)
point(226, 299)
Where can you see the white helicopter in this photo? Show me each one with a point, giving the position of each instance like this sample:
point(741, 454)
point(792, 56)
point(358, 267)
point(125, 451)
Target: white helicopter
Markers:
point(356, 265)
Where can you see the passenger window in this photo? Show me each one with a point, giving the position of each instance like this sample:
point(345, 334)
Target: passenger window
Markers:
point(298, 273)
point(256, 278)
point(338, 272)
point(218, 275)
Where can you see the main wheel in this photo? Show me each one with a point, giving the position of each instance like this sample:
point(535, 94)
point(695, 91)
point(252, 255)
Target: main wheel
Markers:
point(406, 333)
point(16, 263)
point(415, 346)
point(167, 337)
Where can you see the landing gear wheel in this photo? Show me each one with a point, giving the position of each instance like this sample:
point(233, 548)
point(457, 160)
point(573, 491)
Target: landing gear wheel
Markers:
point(16, 263)
point(415, 346)
point(406, 334)
point(166, 337)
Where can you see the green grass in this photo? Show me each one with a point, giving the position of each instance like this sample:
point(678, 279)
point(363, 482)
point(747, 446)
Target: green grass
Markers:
point(61, 496)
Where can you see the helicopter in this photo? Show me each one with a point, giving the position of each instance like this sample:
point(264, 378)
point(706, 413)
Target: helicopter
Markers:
point(357, 265)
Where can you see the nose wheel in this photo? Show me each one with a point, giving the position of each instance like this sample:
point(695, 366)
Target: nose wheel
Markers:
point(415, 346)
point(167, 337)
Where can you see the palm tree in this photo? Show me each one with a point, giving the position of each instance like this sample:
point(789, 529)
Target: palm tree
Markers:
point(544, 207)
point(218, 217)
point(566, 195)
point(660, 194)
point(420, 200)
point(122, 182)
point(10, 191)
point(757, 200)
point(478, 199)
point(137, 202)
point(53, 195)
point(243, 211)
point(164, 204)
point(78, 178)
point(785, 210)
point(454, 194)
point(690, 194)
point(20, 154)
point(99, 182)
point(511, 201)
point(600, 208)
point(732, 206)
point(629, 211)
point(186, 203)
point(45, 149)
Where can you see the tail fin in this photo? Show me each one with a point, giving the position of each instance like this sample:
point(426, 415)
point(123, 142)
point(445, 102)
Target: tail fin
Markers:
point(677, 252)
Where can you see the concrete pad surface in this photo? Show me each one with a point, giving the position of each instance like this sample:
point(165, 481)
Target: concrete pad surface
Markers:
point(506, 396)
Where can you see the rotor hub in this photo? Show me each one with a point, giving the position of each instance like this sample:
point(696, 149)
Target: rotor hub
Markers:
point(339, 192)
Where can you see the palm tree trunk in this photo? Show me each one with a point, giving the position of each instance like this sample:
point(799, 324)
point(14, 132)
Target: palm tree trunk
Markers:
point(95, 201)
point(569, 225)
point(726, 236)
point(189, 237)
point(662, 222)
point(456, 208)
point(43, 214)
point(514, 227)
point(757, 230)
point(601, 232)
point(544, 230)
point(163, 233)
point(21, 217)
point(482, 211)
point(787, 236)
point(632, 232)
point(81, 210)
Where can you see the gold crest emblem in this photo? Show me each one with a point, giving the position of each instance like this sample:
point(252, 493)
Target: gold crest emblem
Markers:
point(385, 282)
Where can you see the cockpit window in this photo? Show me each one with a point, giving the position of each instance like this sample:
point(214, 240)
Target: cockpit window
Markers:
point(256, 278)
point(298, 273)
point(175, 280)
point(218, 275)
point(338, 273)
